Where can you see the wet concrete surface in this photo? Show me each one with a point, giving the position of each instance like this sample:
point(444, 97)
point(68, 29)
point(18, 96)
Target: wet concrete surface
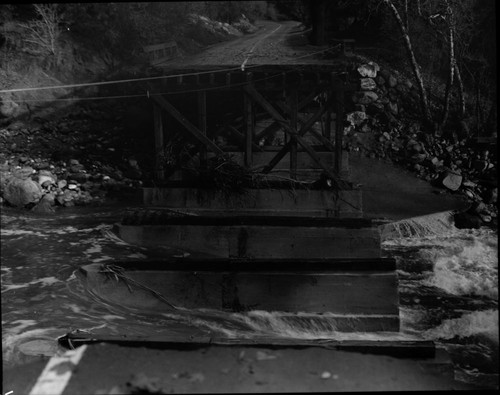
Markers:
point(107, 368)
point(394, 193)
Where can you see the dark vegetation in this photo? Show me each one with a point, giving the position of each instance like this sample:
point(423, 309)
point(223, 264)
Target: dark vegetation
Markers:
point(446, 48)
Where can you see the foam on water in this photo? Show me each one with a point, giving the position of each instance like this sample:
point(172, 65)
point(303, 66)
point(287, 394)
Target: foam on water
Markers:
point(45, 281)
point(426, 225)
point(13, 338)
point(474, 323)
point(472, 271)
point(299, 326)
point(21, 232)
point(464, 261)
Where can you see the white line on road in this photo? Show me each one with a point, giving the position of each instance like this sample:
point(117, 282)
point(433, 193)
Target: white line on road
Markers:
point(250, 53)
point(57, 372)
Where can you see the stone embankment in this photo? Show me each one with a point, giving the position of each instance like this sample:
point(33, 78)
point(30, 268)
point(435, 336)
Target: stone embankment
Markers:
point(383, 125)
point(75, 160)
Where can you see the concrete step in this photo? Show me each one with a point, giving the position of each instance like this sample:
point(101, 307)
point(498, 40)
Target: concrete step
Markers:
point(259, 236)
point(339, 295)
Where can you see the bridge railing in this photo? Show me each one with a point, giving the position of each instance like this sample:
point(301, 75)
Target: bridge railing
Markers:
point(161, 52)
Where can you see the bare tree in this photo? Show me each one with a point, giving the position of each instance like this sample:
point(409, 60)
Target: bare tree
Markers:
point(449, 18)
point(424, 103)
point(449, 36)
point(43, 33)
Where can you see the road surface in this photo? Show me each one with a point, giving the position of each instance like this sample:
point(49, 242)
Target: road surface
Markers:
point(273, 43)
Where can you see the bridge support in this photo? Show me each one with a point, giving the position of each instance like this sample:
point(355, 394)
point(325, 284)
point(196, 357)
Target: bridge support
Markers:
point(285, 97)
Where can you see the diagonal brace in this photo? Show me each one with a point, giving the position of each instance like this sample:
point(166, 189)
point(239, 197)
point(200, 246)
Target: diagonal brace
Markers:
point(297, 136)
point(162, 102)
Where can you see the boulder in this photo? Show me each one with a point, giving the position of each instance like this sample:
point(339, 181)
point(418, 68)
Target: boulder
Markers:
point(491, 196)
point(45, 205)
point(393, 108)
point(418, 158)
point(42, 165)
point(392, 81)
point(380, 80)
point(369, 70)
point(43, 179)
point(356, 117)
point(76, 168)
point(367, 84)
point(402, 88)
point(19, 192)
point(8, 108)
point(23, 173)
point(452, 180)
point(79, 177)
point(5, 177)
point(365, 97)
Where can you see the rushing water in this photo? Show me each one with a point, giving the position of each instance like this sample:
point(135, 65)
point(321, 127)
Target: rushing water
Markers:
point(448, 290)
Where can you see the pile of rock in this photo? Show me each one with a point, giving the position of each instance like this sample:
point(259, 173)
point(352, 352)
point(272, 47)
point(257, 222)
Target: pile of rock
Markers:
point(41, 186)
point(379, 126)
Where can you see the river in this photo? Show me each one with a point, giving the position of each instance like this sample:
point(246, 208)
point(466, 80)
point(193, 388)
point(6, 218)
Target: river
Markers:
point(448, 285)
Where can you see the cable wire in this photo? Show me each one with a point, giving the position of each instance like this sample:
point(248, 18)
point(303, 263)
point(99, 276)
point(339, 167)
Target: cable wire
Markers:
point(100, 83)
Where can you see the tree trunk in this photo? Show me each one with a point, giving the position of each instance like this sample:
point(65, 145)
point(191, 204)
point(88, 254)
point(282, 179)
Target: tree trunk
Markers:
point(424, 103)
point(461, 93)
point(451, 70)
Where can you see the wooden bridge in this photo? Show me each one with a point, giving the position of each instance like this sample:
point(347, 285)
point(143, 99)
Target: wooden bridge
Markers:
point(303, 104)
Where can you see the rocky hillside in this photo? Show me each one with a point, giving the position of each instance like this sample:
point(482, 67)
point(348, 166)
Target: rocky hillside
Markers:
point(385, 125)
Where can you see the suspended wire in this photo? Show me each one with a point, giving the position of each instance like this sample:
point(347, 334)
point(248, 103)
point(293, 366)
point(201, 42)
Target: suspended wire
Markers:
point(100, 83)
point(147, 93)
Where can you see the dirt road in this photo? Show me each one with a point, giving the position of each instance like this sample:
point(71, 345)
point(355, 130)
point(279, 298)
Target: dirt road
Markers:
point(273, 43)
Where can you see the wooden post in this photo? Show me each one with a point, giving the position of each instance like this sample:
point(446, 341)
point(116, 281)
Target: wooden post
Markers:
point(202, 124)
point(339, 128)
point(328, 124)
point(249, 123)
point(159, 142)
point(293, 104)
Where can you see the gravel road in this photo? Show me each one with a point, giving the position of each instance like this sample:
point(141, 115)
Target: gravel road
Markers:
point(273, 43)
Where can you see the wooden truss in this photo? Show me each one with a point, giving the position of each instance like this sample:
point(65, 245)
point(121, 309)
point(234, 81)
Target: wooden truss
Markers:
point(285, 115)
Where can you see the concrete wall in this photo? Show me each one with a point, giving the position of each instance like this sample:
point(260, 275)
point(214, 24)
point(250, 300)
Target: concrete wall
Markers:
point(258, 241)
point(264, 201)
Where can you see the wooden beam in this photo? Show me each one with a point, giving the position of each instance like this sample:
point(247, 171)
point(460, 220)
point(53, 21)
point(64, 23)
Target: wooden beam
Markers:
point(309, 98)
point(276, 115)
point(339, 129)
point(195, 132)
point(159, 142)
point(293, 104)
point(202, 124)
point(328, 125)
point(275, 126)
point(249, 124)
point(327, 143)
point(309, 123)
